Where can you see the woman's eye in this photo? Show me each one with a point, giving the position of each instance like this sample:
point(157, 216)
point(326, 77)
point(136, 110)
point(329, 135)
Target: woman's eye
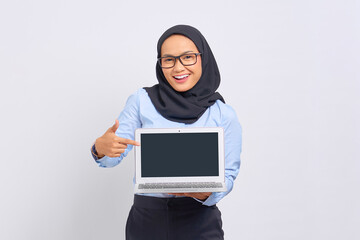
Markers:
point(187, 57)
point(168, 60)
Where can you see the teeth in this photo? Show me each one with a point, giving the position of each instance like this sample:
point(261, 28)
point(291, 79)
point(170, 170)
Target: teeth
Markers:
point(181, 77)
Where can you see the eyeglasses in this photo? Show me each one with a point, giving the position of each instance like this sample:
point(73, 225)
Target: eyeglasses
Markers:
point(187, 59)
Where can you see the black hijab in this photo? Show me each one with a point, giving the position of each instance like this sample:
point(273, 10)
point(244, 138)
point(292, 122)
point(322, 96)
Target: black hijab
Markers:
point(189, 106)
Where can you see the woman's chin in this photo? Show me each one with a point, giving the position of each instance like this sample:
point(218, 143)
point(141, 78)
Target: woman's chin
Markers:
point(182, 87)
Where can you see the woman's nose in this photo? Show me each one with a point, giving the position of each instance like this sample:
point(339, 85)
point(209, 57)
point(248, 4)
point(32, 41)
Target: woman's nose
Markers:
point(178, 66)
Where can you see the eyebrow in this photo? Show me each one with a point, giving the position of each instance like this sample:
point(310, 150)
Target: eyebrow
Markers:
point(169, 55)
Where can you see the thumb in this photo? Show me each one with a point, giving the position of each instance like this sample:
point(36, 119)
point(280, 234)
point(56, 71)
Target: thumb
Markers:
point(114, 127)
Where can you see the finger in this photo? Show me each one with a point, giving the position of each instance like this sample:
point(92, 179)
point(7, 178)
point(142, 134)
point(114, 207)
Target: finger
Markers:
point(177, 194)
point(116, 153)
point(127, 141)
point(114, 127)
point(201, 195)
point(115, 146)
point(118, 145)
point(190, 195)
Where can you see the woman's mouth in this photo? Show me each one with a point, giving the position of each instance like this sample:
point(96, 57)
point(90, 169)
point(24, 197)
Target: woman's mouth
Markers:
point(181, 78)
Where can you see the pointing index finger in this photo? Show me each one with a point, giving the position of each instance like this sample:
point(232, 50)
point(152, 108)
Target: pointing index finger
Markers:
point(128, 141)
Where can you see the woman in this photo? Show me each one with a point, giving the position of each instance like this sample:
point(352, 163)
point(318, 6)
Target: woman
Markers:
point(184, 97)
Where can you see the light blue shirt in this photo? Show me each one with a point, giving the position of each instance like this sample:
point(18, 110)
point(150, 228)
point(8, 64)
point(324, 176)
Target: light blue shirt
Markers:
point(139, 112)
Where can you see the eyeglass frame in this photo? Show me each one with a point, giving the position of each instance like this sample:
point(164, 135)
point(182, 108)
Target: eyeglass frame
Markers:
point(178, 57)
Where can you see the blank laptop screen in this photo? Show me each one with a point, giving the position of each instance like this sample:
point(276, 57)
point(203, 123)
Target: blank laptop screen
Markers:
point(179, 154)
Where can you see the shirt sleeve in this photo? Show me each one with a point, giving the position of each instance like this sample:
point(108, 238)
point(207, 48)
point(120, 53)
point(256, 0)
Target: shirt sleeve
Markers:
point(129, 120)
point(233, 140)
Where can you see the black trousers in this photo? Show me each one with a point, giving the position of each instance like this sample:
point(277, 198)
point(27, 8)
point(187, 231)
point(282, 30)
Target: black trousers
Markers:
point(152, 218)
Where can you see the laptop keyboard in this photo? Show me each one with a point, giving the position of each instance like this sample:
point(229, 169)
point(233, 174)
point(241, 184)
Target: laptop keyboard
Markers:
point(180, 185)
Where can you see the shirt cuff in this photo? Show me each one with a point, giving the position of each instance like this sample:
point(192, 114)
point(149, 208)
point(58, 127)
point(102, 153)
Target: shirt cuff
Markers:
point(211, 200)
point(94, 153)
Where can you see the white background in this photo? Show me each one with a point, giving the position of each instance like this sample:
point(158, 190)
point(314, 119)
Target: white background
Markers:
point(290, 69)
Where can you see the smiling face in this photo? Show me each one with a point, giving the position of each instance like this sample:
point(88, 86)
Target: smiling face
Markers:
point(181, 78)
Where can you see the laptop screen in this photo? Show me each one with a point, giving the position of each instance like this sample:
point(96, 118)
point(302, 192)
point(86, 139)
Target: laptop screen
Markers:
point(179, 154)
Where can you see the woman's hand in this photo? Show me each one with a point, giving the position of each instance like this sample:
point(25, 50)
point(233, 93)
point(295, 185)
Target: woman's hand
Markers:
point(110, 144)
point(199, 195)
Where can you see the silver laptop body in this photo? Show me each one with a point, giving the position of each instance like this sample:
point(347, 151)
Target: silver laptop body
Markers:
point(175, 160)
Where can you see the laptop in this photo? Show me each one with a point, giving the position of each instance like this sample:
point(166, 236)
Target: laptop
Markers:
point(176, 160)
